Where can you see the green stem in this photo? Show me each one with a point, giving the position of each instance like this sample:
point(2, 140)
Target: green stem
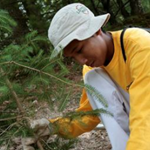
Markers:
point(13, 93)
point(42, 72)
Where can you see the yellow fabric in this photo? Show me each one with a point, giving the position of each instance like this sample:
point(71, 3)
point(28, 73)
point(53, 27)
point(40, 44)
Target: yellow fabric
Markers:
point(68, 128)
point(134, 77)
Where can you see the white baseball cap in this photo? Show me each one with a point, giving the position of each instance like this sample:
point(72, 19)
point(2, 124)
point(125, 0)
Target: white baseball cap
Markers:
point(74, 21)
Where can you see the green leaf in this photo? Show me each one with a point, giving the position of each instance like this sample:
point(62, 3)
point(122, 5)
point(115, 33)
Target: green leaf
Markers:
point(4, 90)
point(95, 93)
point(64, 102)
point(31, 35)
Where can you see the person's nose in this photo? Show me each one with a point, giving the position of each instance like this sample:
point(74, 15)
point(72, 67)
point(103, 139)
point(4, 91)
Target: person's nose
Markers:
point(81, 59)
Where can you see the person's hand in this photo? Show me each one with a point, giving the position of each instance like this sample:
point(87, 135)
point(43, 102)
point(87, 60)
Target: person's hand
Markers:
point(42, 127)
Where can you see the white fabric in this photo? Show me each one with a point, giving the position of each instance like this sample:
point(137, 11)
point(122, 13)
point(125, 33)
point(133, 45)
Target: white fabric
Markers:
point(74, 21)
point(118, 104)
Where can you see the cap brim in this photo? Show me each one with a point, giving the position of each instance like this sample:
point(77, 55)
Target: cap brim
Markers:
point(89, 29)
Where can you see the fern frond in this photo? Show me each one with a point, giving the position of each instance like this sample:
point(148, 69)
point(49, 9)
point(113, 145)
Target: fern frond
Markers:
point(95, 112)
point(95, 93)
point(26, 50)
point(40, 38)
point(11, 51)
point(5, 28)
point(6, 22)
point(5, 18)
point(39, 80)
point(63, 67)
point(64, 102)
point(4, 90)
point(18, 88)
point(31, 35)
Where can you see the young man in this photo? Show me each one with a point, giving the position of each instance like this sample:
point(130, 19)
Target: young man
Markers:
point(78, 32)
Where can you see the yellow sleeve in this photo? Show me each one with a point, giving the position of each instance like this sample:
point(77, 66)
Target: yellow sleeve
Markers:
point(140, 96)
point(71, 128)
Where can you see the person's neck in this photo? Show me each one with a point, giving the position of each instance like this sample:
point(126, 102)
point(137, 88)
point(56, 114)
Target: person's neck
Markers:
point(110, 47)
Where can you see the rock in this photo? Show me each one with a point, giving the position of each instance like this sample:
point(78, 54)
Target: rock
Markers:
point(28, 141)
point(28, 148)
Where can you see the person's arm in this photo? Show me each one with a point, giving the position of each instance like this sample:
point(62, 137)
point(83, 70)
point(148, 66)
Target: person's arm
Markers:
point(71, 128)
point(139, 91)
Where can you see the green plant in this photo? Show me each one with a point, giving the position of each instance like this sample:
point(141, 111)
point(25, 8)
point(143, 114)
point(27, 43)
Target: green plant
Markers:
point(27, 74)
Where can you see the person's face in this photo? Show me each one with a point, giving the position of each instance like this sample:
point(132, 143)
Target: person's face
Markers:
point(91, 52)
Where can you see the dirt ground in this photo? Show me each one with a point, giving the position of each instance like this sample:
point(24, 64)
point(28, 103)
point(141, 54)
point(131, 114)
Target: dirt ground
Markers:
point(97, 139)
point(94, 140)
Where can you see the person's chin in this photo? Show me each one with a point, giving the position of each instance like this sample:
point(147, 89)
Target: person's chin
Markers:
point(96, 64)
point(93, 64)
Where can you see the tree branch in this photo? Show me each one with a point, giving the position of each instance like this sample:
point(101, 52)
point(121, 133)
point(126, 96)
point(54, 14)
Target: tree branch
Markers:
point(95, 8)
point(42, 72)
point(121, 7)
point(13, 93)
point(11, 118)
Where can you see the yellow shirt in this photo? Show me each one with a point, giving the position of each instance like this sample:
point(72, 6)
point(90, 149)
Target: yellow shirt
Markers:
point(134, 77)
point(69, 128)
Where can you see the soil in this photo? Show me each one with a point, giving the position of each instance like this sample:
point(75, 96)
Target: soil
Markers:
point(96, 139)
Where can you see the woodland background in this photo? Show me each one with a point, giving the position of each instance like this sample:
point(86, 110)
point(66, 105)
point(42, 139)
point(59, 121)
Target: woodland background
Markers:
point(31, 85)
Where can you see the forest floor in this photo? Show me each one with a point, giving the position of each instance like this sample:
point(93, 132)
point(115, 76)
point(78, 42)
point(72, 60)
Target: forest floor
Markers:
point(96, 139)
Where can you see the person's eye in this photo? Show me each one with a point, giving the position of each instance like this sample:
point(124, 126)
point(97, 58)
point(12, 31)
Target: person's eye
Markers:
point(79, 51)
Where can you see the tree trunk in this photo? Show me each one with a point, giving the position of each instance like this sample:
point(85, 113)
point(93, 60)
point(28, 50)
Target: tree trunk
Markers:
point(94, 7)
point(122, 8)
point(108, 8)
point(136, 7)
point(14, 11)
point(35, 18)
